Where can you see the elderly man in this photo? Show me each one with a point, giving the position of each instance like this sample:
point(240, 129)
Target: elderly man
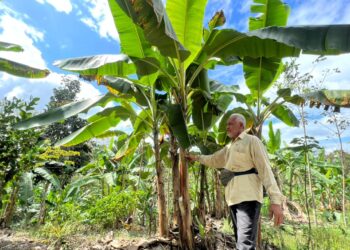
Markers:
point(246, 156)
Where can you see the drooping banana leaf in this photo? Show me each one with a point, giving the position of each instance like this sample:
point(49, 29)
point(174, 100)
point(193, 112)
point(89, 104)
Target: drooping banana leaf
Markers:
point(207, 108)
point(321, 39)
point(284, 114)
point(50, 177)
point(186, 17)
point(90, 131)
point(98, 125)
point(177, 124)
point(227, 44)
point(99, 65)
point(64, 112)
point(153, 20)
point(21, 70)
point(10, 47)
point(260, 73)
point(335, 98)
point(117, 111)
point(126, 88)
point(203, 111)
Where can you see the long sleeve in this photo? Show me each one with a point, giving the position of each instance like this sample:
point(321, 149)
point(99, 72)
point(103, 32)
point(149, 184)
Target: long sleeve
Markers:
point(262, 164)
point(216, 160)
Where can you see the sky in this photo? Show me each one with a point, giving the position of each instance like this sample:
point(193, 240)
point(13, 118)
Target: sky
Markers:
point(50, 30)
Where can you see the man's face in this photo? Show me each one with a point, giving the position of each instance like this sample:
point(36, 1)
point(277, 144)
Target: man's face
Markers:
point(233, 128)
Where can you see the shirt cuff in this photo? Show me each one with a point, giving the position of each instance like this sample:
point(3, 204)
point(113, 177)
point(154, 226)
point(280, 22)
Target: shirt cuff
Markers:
point(278, 200)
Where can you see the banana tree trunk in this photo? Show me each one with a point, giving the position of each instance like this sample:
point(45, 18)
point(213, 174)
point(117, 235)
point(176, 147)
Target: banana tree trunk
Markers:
point(186, 236)
point(176, 179)
point(219, 198)
point(162, 211)
point(42, 211)
point(10, 208)
point(201, 201)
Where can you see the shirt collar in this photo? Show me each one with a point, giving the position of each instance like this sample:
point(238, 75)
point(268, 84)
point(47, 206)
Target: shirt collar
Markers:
point(241, 136)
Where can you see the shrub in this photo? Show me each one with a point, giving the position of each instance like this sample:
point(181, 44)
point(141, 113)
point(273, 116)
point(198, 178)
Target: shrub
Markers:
point(112, 210)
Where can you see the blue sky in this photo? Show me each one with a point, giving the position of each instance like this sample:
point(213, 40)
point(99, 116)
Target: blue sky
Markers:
point(50, 30)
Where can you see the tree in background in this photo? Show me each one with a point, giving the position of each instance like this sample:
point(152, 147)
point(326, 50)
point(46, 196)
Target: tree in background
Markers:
point(63, 95)
point(17, 150)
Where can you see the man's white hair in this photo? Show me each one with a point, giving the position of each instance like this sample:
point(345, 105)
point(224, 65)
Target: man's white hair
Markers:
point(239, 117)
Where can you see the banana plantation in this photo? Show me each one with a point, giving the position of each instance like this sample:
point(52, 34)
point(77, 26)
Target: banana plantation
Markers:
point(71, 179)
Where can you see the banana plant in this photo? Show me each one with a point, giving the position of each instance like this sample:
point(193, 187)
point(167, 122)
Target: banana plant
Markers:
point(163, 43)
point(19, 69)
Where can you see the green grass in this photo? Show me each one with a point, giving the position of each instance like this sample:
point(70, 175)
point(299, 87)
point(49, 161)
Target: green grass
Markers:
point(330, 237)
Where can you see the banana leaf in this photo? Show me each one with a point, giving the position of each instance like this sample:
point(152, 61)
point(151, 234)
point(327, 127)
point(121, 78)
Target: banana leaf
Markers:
point(321, 39)
point(64, 112)
point(153, 20)
point(99, 65)
point(187, 17)
point(21, 70)
point(10, 47)
point(261, 73)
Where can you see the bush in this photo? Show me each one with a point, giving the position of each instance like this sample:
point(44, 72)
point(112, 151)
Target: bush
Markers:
point(112, 210)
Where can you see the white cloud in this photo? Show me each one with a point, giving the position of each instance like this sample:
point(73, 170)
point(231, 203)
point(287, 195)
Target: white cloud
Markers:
point(60, 5)
point(15, 30)
point(87, 90)
point(15, 92)
point(100, 19)
point(320, 12)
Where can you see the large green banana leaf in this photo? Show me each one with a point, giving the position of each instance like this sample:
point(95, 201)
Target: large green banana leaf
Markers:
point(178, 125)
point(322, 39)
point(147, 70)
point(216, 21)
point(22, 70)
point(152, 18)
point(117, 111)
point(139, 48)
point(19, 69)
point(228, 43)
point(64, 112)
point(126, 89)
point(99, 65)
point(260, 73)
point(94, 129)
point(270, 12)
point(206, 108)
point(132, 38)
point(186, 17)
point(10, 47)
point(284, 114)
point(335, 98)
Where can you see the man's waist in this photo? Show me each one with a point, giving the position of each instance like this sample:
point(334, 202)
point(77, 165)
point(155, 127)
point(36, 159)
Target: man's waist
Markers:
point(226, 175)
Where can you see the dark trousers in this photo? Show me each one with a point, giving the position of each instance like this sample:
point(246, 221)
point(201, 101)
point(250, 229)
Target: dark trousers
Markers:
point(245, 217)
